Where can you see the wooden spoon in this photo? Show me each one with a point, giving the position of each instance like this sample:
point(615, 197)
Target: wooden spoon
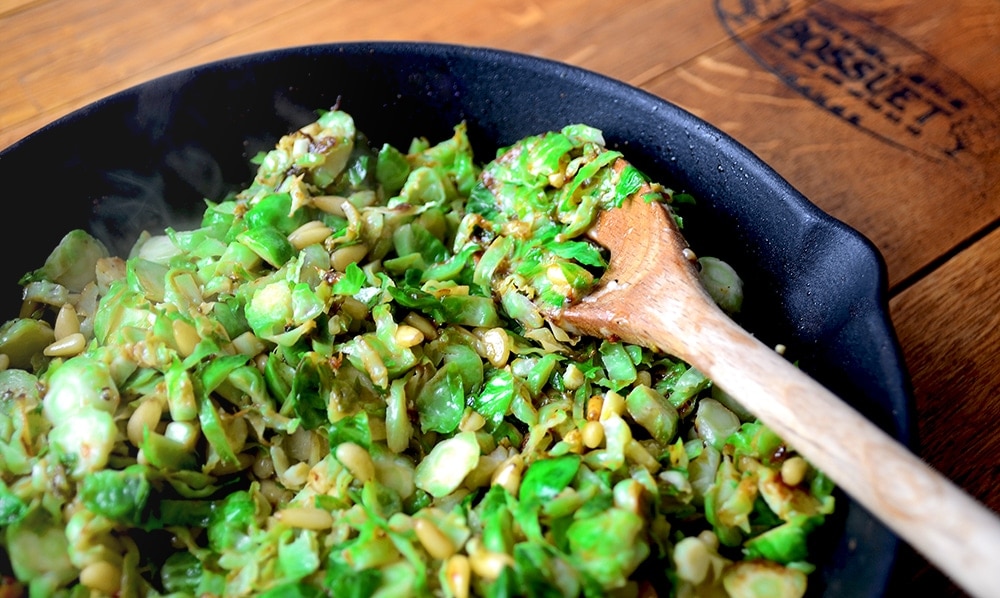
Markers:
point(651, 295)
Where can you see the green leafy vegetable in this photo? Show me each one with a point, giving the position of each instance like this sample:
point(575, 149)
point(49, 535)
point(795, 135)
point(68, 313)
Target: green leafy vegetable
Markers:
point(342, 383)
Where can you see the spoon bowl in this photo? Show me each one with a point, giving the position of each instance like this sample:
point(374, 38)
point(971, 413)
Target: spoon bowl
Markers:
point(651, 295)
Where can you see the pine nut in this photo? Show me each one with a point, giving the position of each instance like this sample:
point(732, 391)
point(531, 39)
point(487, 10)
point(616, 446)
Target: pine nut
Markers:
point(331, 204)
point(508, 474)
point(488, 564)
point(594, 406)
point(343, 257)
point(643, 378)
point(709, 538)
point(310, 233)
point(354, 309)
point(186, 336)
point(692, 561)
point(593, 434)
point(103, 577)
point(433, 540)
point(408, 336)
point(305, 517)
point(274, 493)
point(356, 460)
point(458, 575)
point(146, 416)
point(67, 322)
point(295, 477)
point(67, 346)
point(472, 421)
point(574, 438)
point(793, 471)
point(628, 495)
point(422, 324)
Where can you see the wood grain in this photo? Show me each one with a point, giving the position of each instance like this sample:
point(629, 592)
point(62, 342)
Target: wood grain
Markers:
point(51, 81)
point(914, 205)
point(947, 325)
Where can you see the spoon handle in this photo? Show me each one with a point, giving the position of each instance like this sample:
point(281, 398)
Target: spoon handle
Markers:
point(937, 518)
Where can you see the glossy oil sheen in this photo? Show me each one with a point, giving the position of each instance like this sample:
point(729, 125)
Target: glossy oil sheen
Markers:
point(149, 156)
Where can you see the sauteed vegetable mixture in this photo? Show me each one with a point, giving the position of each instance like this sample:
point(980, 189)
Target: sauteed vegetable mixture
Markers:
point(342, 384)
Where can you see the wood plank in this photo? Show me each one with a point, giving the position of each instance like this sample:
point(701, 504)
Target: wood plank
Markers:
point(50, 81)
point(51, 48)
point(902, 147)
point(947, 326)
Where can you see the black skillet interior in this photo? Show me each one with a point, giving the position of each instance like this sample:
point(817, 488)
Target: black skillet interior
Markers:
point(149, 156)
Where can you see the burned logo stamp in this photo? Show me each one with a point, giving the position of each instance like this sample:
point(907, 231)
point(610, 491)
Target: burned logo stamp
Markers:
point(867, 76)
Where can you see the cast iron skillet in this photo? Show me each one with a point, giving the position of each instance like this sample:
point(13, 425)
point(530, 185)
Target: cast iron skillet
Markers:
point(149, 156)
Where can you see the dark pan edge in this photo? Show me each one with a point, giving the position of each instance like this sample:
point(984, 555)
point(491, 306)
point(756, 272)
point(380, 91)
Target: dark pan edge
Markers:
point(704, 143)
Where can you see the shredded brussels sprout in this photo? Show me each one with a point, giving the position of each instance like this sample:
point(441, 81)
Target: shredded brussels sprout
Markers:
point(342, 384)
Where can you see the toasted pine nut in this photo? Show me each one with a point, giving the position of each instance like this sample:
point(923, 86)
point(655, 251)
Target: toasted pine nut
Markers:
point(186, 336)
point(458, 575)
point(67, 347)
point(422, 324)
point(793, 471)
point(310, 233)
point(67, 322)
point(594, 406)
point(305, 517)
point(355, 309)
point(593, 434)
point(331, 204)
point(356, 460)
point(343, 257)
point(146, 415)
point(433, 539)
point(4, 361)
point(103, 577)
point(408, 336)
point(508, 474)
point(488, 564)
point(472, 421)
point(574, 438)
point(692, 560)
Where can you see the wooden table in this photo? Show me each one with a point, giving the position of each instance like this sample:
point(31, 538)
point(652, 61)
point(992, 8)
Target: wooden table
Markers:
point(883, 112)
